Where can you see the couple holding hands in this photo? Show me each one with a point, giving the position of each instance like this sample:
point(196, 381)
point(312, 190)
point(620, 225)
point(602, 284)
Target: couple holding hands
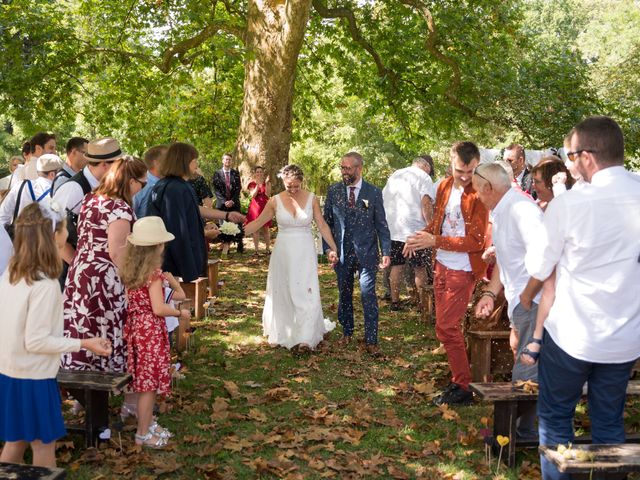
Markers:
point(352, 227)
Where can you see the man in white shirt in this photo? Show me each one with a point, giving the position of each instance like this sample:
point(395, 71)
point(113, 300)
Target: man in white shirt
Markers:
point(592, 332)
point(40, 144)
point(28, 191)
point(408, 204)
point(517, 229)
point(100, 156)
point(76, 148)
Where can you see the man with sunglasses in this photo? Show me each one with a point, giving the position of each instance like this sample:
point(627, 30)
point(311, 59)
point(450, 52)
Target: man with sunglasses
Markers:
point(514, 155)
point(592, 331)
point(99, 156)
point(457, 233)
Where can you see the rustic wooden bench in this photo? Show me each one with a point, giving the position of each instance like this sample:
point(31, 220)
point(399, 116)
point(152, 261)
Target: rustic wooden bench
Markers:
point(29, 472)
point(506, 400)
point(95, 388)
point(196, 290)
point(482, 353)
point(608, 461)
point(212, 273)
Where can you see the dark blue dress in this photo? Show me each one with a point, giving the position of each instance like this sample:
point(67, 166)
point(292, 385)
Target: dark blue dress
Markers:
point(174, 200)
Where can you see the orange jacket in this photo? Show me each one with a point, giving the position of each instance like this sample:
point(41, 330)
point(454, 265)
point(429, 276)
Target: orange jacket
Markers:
point(476, 222)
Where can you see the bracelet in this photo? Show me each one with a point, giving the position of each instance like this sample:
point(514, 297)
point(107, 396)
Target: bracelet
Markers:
point(489, 293)
point(226, 217)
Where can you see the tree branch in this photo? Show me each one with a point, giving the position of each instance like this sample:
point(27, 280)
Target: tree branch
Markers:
point(181, 48)
point(354, 31)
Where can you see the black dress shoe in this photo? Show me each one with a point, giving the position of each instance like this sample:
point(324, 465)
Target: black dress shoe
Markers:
point(454, 394)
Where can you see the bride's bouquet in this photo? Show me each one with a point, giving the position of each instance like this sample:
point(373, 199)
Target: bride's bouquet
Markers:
point(229, 228)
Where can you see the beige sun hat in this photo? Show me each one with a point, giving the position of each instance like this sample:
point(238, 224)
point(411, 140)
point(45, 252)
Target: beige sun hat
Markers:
point(103, 150)
point(149, 231)
point(49, 162)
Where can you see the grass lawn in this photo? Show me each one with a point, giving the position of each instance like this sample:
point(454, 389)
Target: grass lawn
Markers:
point(248, 410)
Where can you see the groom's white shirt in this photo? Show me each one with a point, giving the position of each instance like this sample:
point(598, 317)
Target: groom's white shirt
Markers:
point(357, 190)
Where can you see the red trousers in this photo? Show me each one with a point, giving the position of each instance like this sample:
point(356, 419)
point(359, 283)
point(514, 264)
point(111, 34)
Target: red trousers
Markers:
point(453, 290)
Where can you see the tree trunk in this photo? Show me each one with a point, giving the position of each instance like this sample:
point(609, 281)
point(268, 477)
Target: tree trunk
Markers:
point(275, 30)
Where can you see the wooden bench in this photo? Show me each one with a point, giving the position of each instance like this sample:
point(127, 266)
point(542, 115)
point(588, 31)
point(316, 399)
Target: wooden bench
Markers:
point(608, 461)
point(506, 399)
point(95, 386)
point(196, 290)
point(483, 353)
point(29, 472)
point(212, 272)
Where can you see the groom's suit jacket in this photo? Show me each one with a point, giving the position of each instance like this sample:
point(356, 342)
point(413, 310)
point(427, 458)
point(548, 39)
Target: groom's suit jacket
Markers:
point(362, 227)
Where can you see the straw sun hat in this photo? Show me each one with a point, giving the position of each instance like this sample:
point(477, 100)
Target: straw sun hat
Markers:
point(103, 150)
point(149, 231)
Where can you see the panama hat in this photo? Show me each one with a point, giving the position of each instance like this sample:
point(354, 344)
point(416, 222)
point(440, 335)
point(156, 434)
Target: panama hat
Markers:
point(49, 162)
point(149, 231)
point(103, 150)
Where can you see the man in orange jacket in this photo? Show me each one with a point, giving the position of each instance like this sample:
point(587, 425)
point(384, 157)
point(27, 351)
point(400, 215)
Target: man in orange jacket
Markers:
point(457, 234)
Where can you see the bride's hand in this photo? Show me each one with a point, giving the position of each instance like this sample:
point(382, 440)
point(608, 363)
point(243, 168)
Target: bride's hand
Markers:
point(333, 258)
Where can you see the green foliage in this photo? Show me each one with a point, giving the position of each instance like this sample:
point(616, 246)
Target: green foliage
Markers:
point(523, 70)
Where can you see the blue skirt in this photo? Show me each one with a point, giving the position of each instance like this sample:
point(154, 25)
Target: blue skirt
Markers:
point(30, 410)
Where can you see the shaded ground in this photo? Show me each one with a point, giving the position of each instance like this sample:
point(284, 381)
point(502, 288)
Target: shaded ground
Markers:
point(247, 410)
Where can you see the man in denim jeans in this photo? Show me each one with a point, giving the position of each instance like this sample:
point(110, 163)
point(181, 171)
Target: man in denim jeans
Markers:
point(592, 332)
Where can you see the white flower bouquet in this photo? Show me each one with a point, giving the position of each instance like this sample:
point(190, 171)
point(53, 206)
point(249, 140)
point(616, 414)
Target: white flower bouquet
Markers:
point(229, 228)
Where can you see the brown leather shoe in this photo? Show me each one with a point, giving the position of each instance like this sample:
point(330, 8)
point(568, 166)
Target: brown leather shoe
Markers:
point(344, 341)
point(374, 351)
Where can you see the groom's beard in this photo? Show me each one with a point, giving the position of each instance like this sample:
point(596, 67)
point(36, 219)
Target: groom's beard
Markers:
point(348, 179)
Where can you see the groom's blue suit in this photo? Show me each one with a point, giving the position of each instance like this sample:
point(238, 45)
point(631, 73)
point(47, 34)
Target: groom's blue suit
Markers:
point(357, 232)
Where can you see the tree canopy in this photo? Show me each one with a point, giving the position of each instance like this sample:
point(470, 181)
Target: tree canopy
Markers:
point(391, 78)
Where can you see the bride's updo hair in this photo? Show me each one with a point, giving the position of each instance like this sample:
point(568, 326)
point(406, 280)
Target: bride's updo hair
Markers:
point(291, 171)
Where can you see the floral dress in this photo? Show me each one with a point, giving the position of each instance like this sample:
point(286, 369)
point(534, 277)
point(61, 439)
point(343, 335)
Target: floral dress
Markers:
point(95, 303)
point(148, 356)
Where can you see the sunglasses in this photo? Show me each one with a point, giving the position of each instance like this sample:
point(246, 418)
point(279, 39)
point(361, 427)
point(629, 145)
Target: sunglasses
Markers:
point(142, 183)
point(573, 156)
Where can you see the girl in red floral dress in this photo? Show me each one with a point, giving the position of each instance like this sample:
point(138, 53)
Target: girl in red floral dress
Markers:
point(148, 357)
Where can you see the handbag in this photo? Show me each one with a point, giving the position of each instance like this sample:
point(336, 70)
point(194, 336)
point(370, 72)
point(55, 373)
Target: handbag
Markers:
point(10, 227)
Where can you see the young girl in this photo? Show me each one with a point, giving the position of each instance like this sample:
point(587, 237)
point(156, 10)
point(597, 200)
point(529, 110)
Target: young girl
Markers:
point(32, 341)
point(148, 358)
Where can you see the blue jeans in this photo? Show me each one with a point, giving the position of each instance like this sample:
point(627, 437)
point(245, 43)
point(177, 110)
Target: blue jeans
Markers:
point(561, 380)
point(345, 272)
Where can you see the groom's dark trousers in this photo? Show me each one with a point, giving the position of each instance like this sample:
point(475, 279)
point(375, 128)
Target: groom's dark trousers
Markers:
point(345, 271)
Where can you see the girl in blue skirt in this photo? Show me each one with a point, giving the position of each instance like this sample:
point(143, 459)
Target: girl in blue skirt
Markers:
point(32, 341)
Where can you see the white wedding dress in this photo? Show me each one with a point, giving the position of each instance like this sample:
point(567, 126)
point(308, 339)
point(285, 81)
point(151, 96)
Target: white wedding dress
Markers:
point(292, 309)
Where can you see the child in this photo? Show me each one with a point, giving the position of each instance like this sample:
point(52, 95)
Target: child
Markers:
point(148, 357)
point(32, 341)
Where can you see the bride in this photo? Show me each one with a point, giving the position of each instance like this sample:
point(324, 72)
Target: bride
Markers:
point(292, 314)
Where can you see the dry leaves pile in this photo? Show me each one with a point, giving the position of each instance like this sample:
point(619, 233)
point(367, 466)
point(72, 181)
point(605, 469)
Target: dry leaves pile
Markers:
point(245, 410)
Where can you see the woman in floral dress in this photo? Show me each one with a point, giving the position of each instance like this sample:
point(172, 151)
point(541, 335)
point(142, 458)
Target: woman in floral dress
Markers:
point(95, 302)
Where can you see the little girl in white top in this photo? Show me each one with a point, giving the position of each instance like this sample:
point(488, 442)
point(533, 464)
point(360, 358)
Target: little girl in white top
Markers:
point(32, 341)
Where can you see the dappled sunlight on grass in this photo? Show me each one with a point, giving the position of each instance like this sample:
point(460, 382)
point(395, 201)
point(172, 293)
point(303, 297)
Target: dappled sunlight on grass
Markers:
point(245, 409)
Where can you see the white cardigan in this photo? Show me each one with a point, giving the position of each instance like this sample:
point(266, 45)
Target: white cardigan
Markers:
point(31, 328)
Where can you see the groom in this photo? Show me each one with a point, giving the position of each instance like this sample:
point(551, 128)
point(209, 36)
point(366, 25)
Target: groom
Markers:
point(355, 213)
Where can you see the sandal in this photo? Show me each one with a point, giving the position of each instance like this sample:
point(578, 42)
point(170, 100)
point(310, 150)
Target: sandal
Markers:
point(534, 355)
point(156, 429)
point(147, 441)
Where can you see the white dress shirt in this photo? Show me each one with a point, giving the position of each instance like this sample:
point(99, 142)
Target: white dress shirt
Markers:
point(70, 194)
point(402, 197)
point(517, 229)
point(40, 187)
point(592, 238)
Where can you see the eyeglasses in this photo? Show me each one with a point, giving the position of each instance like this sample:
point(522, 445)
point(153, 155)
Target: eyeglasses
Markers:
point(141, 182)
point(573, 156)
point(348, 168)
point(484, 178)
